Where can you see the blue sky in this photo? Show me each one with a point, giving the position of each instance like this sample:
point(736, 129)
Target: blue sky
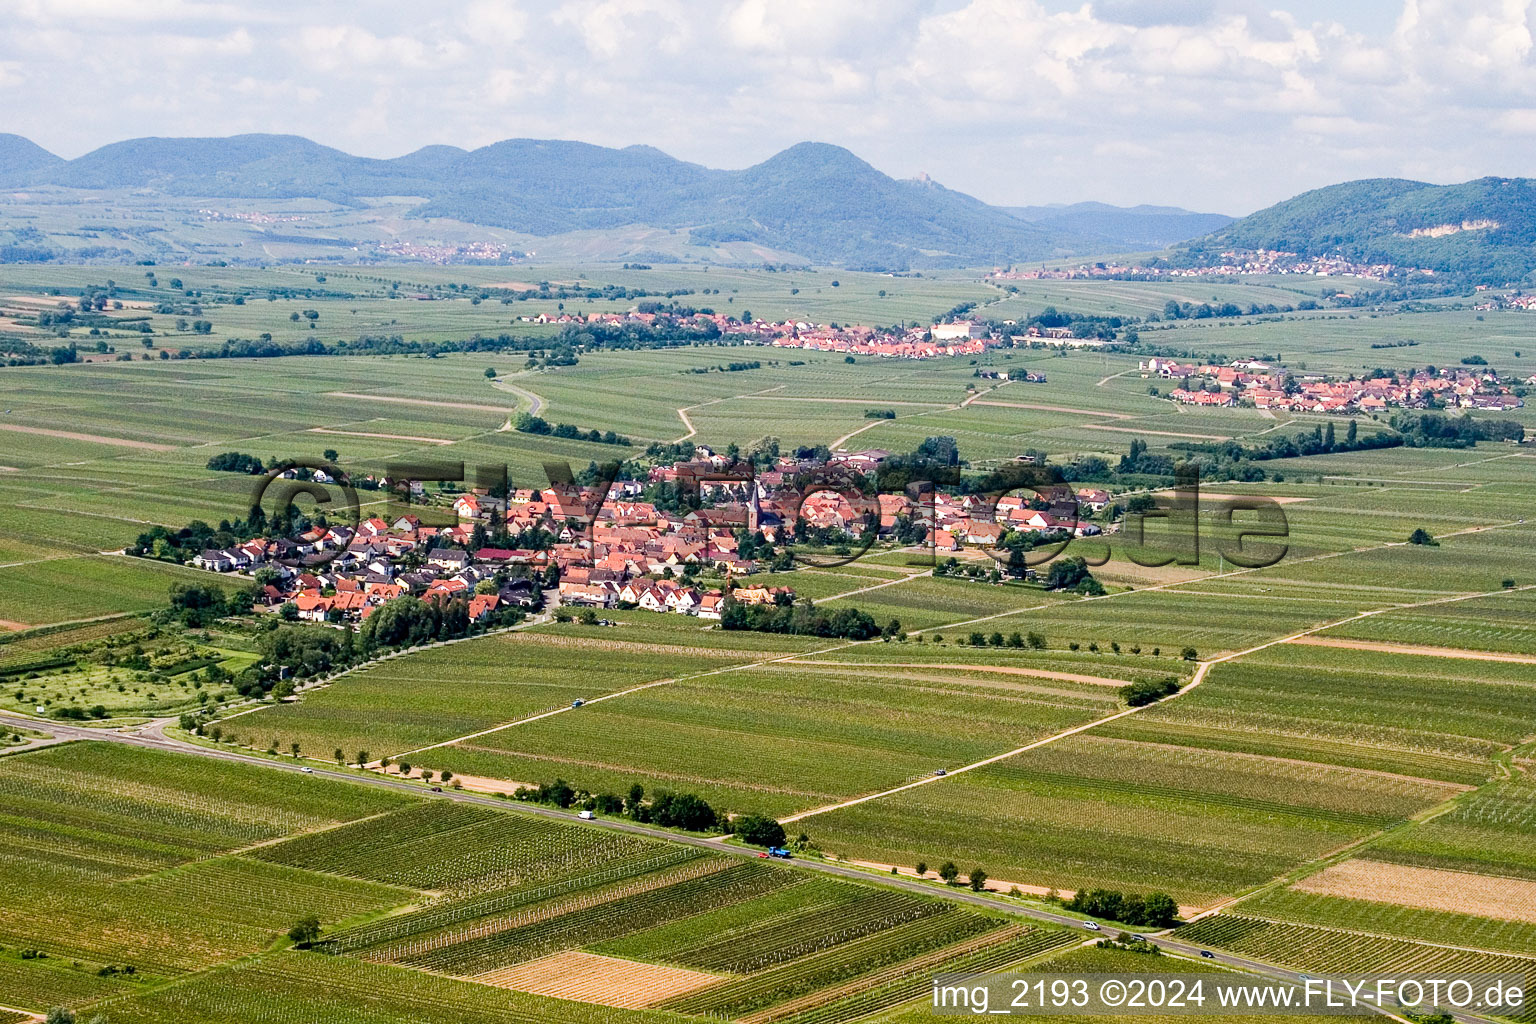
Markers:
point(1225, 105)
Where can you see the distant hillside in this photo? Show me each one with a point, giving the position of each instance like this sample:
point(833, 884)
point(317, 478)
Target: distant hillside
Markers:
point(818, 201)
point(1483, 230)
point(1124, 228)
point(21, 157)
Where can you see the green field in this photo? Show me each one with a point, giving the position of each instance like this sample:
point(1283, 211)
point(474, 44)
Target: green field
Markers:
point(1089, 812)
point(1286, 758)
point(694, 735)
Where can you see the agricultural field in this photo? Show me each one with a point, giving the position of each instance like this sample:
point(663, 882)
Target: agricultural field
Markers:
point(691, 735)
point(1471, 911)
point(1489, 832)
point(431, 697)
point(118, 670)
point(1341, 951)
point(120, 857)
point(1092, 811)
point(1356, 756)
point(68, 590)
point(1409, 714)
point(209, 864)
point(726, 937)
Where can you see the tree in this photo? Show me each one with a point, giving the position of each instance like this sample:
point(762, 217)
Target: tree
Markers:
point(949, 872)
point(978, 880)
point(197, 604)
point(363, 758)
point(760, 830)
point(490, 372)
point(922, 868)
point(1159, 909)
point(60, 1015)
point(330, 455)
point(305, 932)
point(1423, 537)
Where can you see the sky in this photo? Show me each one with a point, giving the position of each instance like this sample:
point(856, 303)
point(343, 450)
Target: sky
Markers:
point(1214, 105)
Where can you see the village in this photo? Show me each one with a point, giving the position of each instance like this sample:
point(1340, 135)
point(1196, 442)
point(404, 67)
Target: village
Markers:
point(938, 341)
point(597, 549)
point(1258, 384)
point(1232, 263)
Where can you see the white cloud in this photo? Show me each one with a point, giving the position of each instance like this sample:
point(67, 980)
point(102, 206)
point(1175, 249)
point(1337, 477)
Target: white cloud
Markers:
point(1226, 104)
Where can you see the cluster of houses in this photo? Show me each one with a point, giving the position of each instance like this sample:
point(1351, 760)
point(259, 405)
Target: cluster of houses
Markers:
point(1255, 383)
point(353, 571)
point(1230, 263)
point(610, 548)
point(963, 337)
point(607, 549)
point(950, 522)
point(1514, 300)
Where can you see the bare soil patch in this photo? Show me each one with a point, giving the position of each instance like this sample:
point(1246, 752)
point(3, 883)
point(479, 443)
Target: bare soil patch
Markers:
point(70, 435)
point(478, 783)
point(604, 980)
point(1431, 652)
point(1507, 899)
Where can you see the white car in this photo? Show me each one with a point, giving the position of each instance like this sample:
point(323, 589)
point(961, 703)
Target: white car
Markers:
point(1091, 926)
point(307, 770)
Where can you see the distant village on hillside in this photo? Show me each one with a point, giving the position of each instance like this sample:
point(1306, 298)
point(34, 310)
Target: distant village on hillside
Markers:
point(1233, 263)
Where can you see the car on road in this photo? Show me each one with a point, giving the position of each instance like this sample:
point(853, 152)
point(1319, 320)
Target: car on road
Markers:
point(1208, 954)
point(577, 703)
point(940, 771)
point(437, 789)
point(586, 815)
point(307, 770)
point(1091, 926)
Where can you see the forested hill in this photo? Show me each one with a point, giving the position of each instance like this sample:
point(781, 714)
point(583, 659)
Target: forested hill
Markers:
point(21, 158)
point(819, 201)
point(1483, 230)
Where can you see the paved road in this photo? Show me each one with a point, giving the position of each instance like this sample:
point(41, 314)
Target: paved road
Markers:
point(151, 736)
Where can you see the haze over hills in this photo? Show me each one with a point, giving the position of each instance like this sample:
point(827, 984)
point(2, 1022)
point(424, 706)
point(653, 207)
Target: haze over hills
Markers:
point(815, 202)
point(1124, 227)
point(818, 201)
point(1483, 230)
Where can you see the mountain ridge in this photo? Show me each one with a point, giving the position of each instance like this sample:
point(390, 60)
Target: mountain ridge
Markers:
point(815, 199)
point(1482, 230)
